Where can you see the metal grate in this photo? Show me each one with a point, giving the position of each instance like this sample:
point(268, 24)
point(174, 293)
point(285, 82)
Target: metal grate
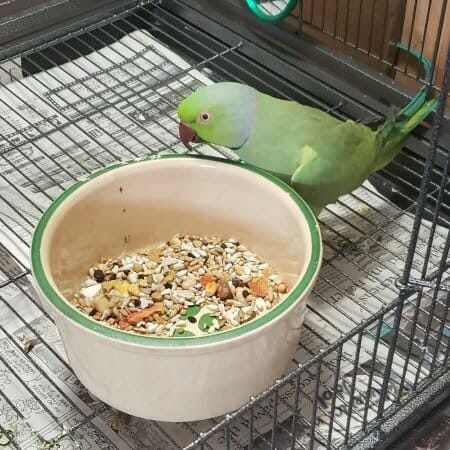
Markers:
point(375, 344)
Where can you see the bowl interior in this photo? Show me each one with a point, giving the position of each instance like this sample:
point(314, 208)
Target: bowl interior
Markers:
point(140, 204)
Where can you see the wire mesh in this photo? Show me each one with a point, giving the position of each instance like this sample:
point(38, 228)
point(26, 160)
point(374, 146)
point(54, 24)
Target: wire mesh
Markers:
point(369, 344)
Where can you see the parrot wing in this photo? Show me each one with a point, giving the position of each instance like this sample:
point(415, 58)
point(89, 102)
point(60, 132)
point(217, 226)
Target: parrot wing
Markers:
point(322, 175)
point(283, 128)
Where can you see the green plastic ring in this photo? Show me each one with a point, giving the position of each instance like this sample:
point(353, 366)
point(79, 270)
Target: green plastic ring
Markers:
point(255, 8)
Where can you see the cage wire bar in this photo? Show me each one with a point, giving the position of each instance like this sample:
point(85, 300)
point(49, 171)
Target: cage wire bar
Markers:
point(418, 24)
point(369, 374)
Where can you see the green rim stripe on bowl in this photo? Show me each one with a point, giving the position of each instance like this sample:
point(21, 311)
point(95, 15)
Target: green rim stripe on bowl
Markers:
point(62, 305)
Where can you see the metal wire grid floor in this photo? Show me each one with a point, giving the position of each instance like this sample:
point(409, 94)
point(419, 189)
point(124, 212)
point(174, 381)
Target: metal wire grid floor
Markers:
point(366, 239)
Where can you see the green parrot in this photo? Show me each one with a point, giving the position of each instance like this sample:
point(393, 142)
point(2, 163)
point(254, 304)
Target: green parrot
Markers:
point(320, 156)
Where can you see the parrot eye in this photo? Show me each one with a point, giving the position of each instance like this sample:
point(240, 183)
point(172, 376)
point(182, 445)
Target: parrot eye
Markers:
point(204, 117)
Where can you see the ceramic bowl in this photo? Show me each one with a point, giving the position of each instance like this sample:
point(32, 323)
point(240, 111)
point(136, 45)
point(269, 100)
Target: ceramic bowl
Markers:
point(133, 205)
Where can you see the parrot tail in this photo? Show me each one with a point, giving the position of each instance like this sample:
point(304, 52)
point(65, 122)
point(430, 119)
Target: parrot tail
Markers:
point(393, 134)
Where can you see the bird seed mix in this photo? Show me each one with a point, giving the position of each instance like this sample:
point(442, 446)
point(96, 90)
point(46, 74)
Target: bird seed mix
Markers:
point(188, 286)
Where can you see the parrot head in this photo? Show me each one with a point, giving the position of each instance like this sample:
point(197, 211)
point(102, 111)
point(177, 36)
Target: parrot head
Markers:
point(221, 113)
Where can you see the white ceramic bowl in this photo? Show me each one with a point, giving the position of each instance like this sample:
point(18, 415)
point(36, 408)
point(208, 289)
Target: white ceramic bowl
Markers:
point(133, 205)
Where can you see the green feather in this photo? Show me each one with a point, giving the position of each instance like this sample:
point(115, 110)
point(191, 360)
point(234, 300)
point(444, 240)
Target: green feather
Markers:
point(394, 134)
point(320, 156)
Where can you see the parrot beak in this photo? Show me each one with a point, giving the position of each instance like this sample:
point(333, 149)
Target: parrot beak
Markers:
point(187, 135)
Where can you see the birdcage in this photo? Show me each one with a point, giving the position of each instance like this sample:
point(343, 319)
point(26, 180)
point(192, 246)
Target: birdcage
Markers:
point(85, 84)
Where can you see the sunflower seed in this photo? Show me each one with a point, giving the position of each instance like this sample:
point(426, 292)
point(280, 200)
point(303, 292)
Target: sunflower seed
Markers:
point(171, 273)
point(260, 304)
